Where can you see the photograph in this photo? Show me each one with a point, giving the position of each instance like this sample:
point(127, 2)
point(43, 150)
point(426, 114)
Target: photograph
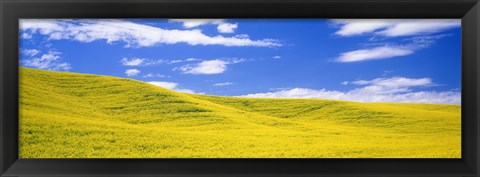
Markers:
point(240, 88)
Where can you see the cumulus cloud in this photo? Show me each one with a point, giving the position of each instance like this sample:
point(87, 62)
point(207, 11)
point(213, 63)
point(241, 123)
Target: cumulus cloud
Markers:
point(50, 60)
point(395, 89)
point(394, 27)
point(132, 72)
point(171, 86)
point(277, 57)
point(223, 84)
point(376, 53)
point(216, 66)
point(191, 23)
point(227, 27)
point(132, 34)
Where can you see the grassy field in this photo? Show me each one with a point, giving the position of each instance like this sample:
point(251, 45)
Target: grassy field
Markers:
point(69, 115)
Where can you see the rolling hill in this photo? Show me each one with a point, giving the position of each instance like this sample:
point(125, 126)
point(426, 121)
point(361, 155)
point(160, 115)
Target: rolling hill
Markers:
point(71, 115)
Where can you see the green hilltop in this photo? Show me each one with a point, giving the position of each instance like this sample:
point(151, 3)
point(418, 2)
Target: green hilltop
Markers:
point(71, 115)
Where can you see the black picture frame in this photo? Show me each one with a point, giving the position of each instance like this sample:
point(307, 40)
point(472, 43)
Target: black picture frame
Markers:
point(12, 10)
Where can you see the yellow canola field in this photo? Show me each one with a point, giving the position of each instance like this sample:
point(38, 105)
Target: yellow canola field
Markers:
point(71, 115)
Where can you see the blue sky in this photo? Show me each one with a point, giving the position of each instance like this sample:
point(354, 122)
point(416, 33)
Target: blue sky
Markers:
point(360, 60)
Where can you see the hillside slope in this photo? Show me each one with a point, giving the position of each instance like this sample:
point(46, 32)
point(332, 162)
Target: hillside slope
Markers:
point(70, 115)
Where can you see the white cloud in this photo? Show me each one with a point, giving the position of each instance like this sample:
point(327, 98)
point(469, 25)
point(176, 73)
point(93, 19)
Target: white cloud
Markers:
point(49, 60)
point(41, 26)
point(30, 52)
point(26, 35)
point(61, 67)
point(132, 62)
point(242, 36)
point(216, 66)
point(390, 51)
point(277, 57)
point(394, 27)
point(167, 85)
point(152, 75)
point(417, 27)
point(191, 23)
point(344, 83)
point(132, 72)
point(419, 42)
point(148, 62)
point(374, 54)
point(222, 27)
point(206, 67)
point(396, 82)
point(186, 91)
point(391, 85)
point(192, 59)
point(132, 34)
point(171, 86)
point(235, 60)
point(182, 60)
point(51, 55)
point(357, 27)
point(227, 27)
point(174, 61)
point(223, 84)
point(396, 89)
